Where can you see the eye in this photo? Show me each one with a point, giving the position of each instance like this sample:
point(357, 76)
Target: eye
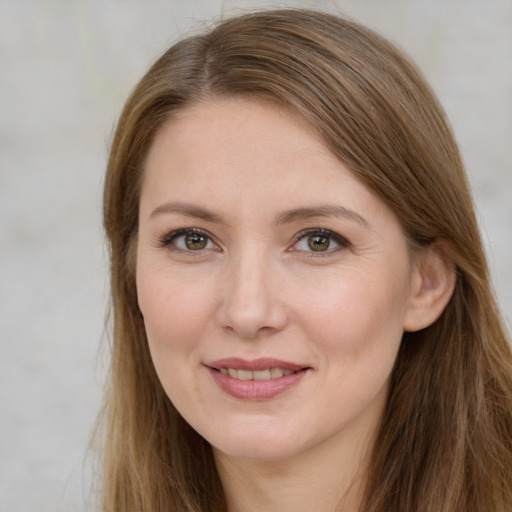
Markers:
point(319, 241)
point(189, 239)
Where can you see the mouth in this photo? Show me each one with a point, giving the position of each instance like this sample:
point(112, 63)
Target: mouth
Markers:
point(259, 379)
point(269, 373)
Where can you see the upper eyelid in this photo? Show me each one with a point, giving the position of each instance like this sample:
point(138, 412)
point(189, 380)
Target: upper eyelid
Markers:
point(322, 231)
point(175, 233)
point(172, 235)
point(342, 243)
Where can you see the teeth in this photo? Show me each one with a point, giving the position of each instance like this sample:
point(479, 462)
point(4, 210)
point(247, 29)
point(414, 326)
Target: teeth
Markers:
point(244, 375)
point(275, 373)
point(270, 373)
point(260, 374)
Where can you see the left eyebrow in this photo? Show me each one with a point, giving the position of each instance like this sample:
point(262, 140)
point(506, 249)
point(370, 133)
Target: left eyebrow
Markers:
point(340, 212)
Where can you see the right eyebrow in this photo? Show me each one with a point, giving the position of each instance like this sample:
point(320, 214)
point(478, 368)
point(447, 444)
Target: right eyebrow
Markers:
point(187, 209)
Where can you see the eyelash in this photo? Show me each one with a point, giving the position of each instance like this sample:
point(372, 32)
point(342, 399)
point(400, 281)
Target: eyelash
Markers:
point(168, 239)
point(342, 242)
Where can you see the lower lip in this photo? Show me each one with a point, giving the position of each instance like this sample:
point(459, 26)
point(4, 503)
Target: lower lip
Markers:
point(256, 389)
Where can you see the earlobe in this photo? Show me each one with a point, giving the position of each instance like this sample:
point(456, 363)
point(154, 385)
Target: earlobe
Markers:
point(432, 284)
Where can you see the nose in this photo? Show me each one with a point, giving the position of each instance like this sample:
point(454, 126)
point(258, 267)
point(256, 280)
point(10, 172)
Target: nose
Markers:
point(251, 300)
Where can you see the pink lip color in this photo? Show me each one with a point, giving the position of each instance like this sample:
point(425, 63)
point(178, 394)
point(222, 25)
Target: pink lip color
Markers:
point(255, 389)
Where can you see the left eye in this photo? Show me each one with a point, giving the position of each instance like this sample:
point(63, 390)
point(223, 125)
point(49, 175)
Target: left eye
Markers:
point(320, 242)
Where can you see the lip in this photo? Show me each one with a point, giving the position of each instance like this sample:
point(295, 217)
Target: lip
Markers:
point(256, 389)
point(254, 364)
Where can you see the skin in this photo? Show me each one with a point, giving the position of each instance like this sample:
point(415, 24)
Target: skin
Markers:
point(256, 289)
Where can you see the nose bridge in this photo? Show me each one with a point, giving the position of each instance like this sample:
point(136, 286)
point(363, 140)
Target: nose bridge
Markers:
point(251, 304)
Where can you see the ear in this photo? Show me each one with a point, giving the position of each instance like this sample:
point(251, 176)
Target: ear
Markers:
point(432, 284)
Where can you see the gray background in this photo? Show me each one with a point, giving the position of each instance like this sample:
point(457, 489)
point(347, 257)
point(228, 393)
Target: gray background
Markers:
point(66, 69)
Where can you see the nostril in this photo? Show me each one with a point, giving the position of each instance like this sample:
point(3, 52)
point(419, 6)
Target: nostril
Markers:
point(250, 304)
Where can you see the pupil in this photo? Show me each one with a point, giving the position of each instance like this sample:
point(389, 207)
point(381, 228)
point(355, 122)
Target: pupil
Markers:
point(195, 242)
point(318, 243)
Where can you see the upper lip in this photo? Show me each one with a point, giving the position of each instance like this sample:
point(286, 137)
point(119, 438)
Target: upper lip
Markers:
point(263, 363)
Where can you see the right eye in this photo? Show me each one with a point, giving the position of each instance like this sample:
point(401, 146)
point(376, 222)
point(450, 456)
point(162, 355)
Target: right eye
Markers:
point(188, 240)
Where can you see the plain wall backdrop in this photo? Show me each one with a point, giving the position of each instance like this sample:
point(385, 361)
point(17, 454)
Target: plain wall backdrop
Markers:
point(66, 69)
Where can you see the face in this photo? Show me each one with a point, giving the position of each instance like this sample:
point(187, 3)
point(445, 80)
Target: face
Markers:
point(274, 285)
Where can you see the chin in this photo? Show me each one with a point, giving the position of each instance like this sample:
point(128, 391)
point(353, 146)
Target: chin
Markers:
point(256, 450)
point(264, 444)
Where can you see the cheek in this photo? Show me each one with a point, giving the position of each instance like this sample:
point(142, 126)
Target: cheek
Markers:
point(357, 326)
point(358, 312)
point(176, 316)
point(175, 310)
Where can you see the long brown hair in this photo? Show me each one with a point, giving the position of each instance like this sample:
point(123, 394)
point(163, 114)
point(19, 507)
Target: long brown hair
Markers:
point(445, 441)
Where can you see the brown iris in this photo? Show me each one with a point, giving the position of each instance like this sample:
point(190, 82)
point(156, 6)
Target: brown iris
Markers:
point(319, 243)
point(196, 242)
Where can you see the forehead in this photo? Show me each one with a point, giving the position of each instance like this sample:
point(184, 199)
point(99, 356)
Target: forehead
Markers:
point(239, 138)
point(251, 124)
point(247, 155)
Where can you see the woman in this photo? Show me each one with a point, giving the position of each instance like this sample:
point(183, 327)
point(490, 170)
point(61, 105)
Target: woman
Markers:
point(302, 312)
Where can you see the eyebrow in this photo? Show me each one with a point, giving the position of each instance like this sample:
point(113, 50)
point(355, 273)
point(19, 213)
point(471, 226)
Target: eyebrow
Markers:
point(187, 209)
point(341, 212)
point(289, 216)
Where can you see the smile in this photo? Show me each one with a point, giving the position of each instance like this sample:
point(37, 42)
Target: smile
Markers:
point(269, 373)
point(258, 379)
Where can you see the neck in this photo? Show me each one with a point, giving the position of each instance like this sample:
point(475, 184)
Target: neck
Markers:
point(326, 478)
